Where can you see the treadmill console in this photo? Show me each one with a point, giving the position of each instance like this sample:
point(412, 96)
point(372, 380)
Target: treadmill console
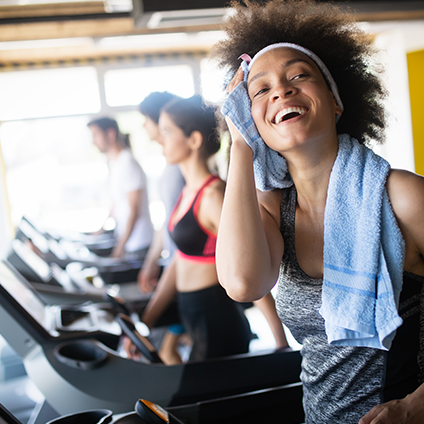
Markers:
point(6, 417)
point(36, 268)
point(52, 320)
point(23, 297)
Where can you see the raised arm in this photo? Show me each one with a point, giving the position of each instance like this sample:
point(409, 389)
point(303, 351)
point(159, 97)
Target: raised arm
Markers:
point(249, 245)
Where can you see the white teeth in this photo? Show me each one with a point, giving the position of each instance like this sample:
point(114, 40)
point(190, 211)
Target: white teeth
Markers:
point(282, 113)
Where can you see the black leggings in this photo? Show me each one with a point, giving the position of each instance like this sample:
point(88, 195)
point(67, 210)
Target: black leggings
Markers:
point(216, 324)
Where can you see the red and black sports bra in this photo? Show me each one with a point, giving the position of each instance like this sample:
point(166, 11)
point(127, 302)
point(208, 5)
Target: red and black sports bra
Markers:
point(194, 241)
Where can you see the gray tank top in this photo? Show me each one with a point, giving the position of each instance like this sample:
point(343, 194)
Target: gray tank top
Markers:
point(340, 383)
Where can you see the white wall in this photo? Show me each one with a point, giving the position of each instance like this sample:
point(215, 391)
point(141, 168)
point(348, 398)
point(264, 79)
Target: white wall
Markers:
point(399, 148)
point(6, 229)
point(395, 40)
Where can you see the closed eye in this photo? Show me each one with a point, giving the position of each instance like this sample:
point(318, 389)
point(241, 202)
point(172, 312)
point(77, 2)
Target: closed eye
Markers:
point(263, 90)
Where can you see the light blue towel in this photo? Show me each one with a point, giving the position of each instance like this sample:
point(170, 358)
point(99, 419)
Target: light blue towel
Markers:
point(269, 167)
point(363, 251)
point(362, 268)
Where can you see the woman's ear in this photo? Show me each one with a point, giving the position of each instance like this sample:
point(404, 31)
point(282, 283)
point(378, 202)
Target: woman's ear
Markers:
point(195, 140)
point(338, 109)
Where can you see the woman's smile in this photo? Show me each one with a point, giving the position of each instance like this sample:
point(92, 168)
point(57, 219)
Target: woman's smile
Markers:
point(291, 102)
point(289, 113)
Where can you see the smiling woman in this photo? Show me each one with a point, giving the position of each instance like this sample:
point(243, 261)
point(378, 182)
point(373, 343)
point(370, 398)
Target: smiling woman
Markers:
point(301, 85)
point(340, 232)
point(346, 51)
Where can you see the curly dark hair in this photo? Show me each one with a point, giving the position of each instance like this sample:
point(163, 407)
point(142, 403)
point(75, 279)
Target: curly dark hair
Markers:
point(332, 35)
point(193, 114)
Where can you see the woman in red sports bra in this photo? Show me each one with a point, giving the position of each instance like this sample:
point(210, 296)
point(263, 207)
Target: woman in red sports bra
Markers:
point(215, 323)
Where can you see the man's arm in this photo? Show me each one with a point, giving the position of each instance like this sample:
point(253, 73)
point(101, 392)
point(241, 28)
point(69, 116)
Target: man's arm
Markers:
point(134, 205)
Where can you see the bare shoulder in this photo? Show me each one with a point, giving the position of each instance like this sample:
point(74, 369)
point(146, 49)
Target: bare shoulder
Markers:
point(406, 193)
point(209, 212)
point(214, 192)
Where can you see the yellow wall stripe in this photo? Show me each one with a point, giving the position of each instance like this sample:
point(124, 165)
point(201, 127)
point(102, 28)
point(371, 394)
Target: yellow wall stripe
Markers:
point(416, 93)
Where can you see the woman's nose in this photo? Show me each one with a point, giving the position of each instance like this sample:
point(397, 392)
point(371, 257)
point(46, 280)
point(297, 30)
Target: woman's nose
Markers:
point(283, 91)
point(160, 139)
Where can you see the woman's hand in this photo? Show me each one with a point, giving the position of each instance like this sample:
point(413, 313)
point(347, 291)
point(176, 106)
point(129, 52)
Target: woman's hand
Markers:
point(148, 277)
point(234, 132)
point(237, 79)
point(409, 410)
point(130, 349)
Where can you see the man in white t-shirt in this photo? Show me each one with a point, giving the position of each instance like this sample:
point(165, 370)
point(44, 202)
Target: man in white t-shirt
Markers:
point(128, 189)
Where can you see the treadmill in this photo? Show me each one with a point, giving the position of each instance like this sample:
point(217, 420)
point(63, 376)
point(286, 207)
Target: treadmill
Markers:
point(63, 252)
point(6, 417)
point(78, 282)
point(101, 244)
point(72, 354)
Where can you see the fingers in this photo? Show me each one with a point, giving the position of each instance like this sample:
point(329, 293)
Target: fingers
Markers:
point(128, 346)
point(141, 280)
point(393, 412)
point(130, 349)
point(237, 79)
point(147, 281)
point(150, 285)
point(366, 419)
point(232, 128)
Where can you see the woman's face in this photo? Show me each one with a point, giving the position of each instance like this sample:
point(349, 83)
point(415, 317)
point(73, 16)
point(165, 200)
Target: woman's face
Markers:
point(100, 138)
point(291, 102)
point(152, 129)
point(175, 144)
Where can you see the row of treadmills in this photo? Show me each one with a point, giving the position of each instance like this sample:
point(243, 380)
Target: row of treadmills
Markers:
point(64, 306)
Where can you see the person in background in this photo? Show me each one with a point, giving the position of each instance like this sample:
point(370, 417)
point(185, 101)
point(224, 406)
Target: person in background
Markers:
point(171, 183)
point(215, 323)
point(128, 191)
point(310, 205)
point(161, 252)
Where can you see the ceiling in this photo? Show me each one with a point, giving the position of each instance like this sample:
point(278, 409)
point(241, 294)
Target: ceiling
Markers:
point(80, 24)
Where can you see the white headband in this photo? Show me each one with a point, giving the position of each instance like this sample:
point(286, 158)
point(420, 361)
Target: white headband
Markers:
point(312, 55)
